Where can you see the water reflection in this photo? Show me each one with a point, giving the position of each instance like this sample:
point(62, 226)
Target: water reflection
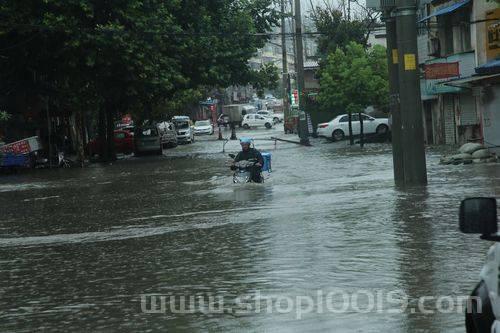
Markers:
point(413, 227)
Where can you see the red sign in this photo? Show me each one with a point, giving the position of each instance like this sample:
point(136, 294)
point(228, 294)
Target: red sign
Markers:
point(17, 148)
point(441, 70)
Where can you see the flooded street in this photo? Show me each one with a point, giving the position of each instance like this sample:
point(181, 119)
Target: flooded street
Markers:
point(79, 248)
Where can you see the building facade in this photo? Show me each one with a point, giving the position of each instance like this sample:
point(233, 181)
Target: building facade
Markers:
point(454, 43)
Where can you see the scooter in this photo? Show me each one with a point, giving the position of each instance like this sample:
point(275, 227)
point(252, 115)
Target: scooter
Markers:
point(58, 160)
point(243, 170)
point(482, 313)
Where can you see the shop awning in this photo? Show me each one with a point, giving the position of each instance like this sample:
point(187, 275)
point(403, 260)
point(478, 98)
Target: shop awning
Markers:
point(490, 67)
point(446, 10)
point(469, 81)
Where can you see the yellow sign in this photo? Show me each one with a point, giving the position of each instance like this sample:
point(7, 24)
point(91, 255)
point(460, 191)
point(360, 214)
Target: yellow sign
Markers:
point(493, 34)
point(395, 56)
point(410, 62)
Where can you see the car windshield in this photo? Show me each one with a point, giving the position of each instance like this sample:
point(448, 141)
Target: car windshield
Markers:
point(202, 123)
point(181, 125)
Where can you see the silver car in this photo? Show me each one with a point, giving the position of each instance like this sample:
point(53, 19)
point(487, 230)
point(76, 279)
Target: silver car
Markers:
point(168, 135)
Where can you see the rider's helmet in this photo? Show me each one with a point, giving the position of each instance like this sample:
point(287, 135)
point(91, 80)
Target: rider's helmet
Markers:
point(245, 141)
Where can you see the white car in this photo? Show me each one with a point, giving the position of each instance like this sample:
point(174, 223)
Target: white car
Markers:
point(183, 127)
point(338, 128)
point(276, 117)
point(203, 127)
point(256, 120)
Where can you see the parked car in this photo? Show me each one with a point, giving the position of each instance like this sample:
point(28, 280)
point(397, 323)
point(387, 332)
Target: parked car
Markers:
point(184, 129)
point(147, 140)
point(168, 135)
point(124, 143)
point(276, 117)
point(256, 120)
point(203, 127)
point(338, 128)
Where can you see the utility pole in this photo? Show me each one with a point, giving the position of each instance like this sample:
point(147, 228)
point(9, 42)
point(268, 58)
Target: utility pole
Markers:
point(286, 85)
point(392, 62)
point(412, 135)
point(299, 56)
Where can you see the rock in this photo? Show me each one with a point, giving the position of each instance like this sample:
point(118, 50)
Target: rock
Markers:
point(467, 161)
point(481, 153)
point(463, 156)
point(446, 160)
point(491, 160)
point(470, 147)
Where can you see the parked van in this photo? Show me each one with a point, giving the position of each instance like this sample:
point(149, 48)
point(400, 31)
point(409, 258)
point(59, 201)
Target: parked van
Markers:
point(184, 129)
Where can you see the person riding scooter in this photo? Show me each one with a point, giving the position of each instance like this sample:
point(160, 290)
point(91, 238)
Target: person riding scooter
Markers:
point(249, 153)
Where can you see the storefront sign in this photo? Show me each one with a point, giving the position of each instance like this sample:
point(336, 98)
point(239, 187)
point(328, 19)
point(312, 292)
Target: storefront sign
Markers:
point(493, 34)
point(441, 70)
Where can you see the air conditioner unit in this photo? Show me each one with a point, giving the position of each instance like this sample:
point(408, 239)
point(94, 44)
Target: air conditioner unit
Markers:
point(434, 47)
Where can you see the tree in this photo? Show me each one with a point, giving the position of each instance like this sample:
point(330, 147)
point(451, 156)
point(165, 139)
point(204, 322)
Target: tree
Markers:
point(353, 79)
point(265, 78)
point(108, 57)
point(338, 30)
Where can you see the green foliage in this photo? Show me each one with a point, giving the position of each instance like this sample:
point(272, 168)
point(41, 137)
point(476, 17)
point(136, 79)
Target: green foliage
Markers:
point(4, 116)
point(265, 78)
point(127, 55)
point(353, 79)
point(336, 31)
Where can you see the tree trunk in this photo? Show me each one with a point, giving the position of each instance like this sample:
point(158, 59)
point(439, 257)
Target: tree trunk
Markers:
point(110, 129)
point(102, 135)
point(351, 137)
point(361, 131)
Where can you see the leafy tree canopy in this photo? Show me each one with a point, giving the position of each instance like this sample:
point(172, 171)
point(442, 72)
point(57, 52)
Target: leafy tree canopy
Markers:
point(354, 78)
point(265, 78)
point(126, 54)
point(336, 31)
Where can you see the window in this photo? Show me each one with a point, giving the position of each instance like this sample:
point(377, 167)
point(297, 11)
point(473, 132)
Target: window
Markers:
point(366, 118)
point(344, 119)
point(454, 32)
point(355, 117)
point(148, 132)
point(203, 123)
point(250, 117)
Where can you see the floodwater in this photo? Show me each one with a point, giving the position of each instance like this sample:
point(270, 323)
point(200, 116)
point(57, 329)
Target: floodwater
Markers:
point(326, 244)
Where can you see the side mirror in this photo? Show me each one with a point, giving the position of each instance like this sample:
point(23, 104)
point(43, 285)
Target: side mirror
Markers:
point(478, 216)
point(232, 155)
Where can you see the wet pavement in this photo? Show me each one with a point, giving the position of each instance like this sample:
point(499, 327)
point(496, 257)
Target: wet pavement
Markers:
point(80, 248)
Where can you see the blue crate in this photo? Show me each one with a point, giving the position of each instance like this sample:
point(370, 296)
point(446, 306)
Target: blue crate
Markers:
point(267, 162)
point(13, 160)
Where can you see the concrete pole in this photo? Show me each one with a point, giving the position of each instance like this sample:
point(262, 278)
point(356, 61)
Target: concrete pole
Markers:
point(412, 135)
point(299, 56)
point(392, 62)
point(286, 92)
